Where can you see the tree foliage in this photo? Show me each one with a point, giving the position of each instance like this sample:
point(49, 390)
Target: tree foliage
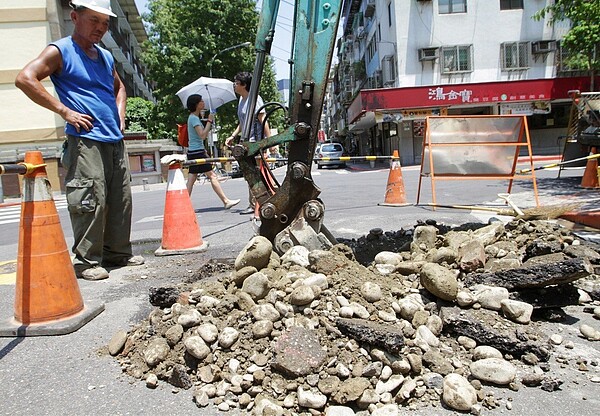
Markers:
point(183, 37)
point(138, 114)
point(583, 38)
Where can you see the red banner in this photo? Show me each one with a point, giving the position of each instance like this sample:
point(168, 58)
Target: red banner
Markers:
point(485, 93)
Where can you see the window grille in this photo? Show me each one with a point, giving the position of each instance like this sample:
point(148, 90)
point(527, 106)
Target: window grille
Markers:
point(515, 55)
point(456, 59)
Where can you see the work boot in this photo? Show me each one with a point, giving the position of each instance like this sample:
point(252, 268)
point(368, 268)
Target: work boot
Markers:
point(91, 273)
point(135, 261)
point(124, 262)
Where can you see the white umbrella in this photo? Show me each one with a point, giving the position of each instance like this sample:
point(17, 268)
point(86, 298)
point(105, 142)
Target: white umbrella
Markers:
point(214, 91)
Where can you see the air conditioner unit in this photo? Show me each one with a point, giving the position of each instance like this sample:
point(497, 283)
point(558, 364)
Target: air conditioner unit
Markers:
point(543, 46)
point(428, 54)
point(370, 9)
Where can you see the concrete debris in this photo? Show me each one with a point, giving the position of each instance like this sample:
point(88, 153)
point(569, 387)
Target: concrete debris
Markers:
point(393, 320)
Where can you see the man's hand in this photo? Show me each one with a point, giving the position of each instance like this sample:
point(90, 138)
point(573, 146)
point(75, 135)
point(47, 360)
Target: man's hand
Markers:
point(170, 159)
point(78, 120)
point(229, 141)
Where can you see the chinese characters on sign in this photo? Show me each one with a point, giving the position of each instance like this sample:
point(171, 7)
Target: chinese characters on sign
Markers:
point(438, 94)
point(467, 96)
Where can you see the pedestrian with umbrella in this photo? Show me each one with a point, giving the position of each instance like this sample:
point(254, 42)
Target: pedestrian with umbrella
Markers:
point(198, 132)
point(242, 81)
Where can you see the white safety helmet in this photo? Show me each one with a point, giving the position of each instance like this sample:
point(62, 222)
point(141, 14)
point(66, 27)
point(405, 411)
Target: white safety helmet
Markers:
point(100, 6)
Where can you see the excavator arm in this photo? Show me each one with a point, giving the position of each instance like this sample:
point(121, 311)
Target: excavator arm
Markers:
point(291, 213)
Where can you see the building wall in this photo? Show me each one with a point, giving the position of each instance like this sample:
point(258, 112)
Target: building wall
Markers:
point(401, 28)
point(26, 28)
point(484, 26)
point(24, 31)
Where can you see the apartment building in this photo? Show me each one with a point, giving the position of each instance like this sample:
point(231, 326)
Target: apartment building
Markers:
point(403, 60)
point(26, 27)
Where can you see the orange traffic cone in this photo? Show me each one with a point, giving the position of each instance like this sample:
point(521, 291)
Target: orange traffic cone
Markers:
point(395, 195)
point(47, 300)
point(181, 232)
point(591, 175)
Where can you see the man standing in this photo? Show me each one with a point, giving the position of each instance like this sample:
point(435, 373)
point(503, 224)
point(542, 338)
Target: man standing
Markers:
point(241, 86)
point(92, 102)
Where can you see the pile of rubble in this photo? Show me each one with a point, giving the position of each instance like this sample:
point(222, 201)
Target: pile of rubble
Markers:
point(431, 322)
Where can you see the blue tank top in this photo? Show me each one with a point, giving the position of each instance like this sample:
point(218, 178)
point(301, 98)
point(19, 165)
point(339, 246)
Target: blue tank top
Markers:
point(87, 86)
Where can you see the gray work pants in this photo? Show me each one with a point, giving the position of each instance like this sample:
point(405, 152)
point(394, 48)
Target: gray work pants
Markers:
point(99, 199)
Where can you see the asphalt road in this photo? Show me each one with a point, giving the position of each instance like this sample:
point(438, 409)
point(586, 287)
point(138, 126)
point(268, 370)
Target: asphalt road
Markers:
point(73, 375)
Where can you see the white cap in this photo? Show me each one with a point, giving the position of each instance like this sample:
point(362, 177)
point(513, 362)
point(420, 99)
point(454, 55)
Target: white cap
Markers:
point(100, 6)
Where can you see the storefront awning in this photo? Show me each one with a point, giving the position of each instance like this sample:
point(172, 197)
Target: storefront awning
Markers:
point(448, 95)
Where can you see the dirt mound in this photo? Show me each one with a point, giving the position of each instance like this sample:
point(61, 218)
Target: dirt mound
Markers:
point(377, 323)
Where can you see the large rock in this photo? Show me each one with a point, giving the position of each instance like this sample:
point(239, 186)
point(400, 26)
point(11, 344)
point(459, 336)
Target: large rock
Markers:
point(156, 352)
point(494, 370)
point(487, 328)
point(163, 297)
point(196, 347)
point(387, 337)
point(490, 233)
point(424, 238)
point(350, 390)
point(440, 281)
point(458, 393)
point(117, 342)
point(256, 253)
point(535, 276)
point(298, 352)
point(516, 311)
point(256, 285)
point(472, 256)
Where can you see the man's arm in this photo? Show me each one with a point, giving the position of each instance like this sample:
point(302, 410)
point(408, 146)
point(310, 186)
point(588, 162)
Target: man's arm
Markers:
point(267, 129)
point(229, 140)
point(121, 97)
point(29, 81)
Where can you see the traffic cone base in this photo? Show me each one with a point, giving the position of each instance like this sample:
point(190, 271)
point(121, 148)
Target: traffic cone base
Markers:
point(395, 196)
point(14, 328)
point(181, 232)
point(172, 252)
point(591, 174)
point(47, 297)
point(587, 218)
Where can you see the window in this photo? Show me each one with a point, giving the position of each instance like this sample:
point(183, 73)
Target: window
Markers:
point(569, 63)
point(389, 10)
point(511, 4)
point(515, 55)
point(389, 70)
point(331, 147)
point(452, 6)
point(372, 47)
point(456, 59)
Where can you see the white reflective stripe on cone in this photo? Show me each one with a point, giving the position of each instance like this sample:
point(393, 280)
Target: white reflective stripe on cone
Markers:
point(36, 189)
point(176, 181)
